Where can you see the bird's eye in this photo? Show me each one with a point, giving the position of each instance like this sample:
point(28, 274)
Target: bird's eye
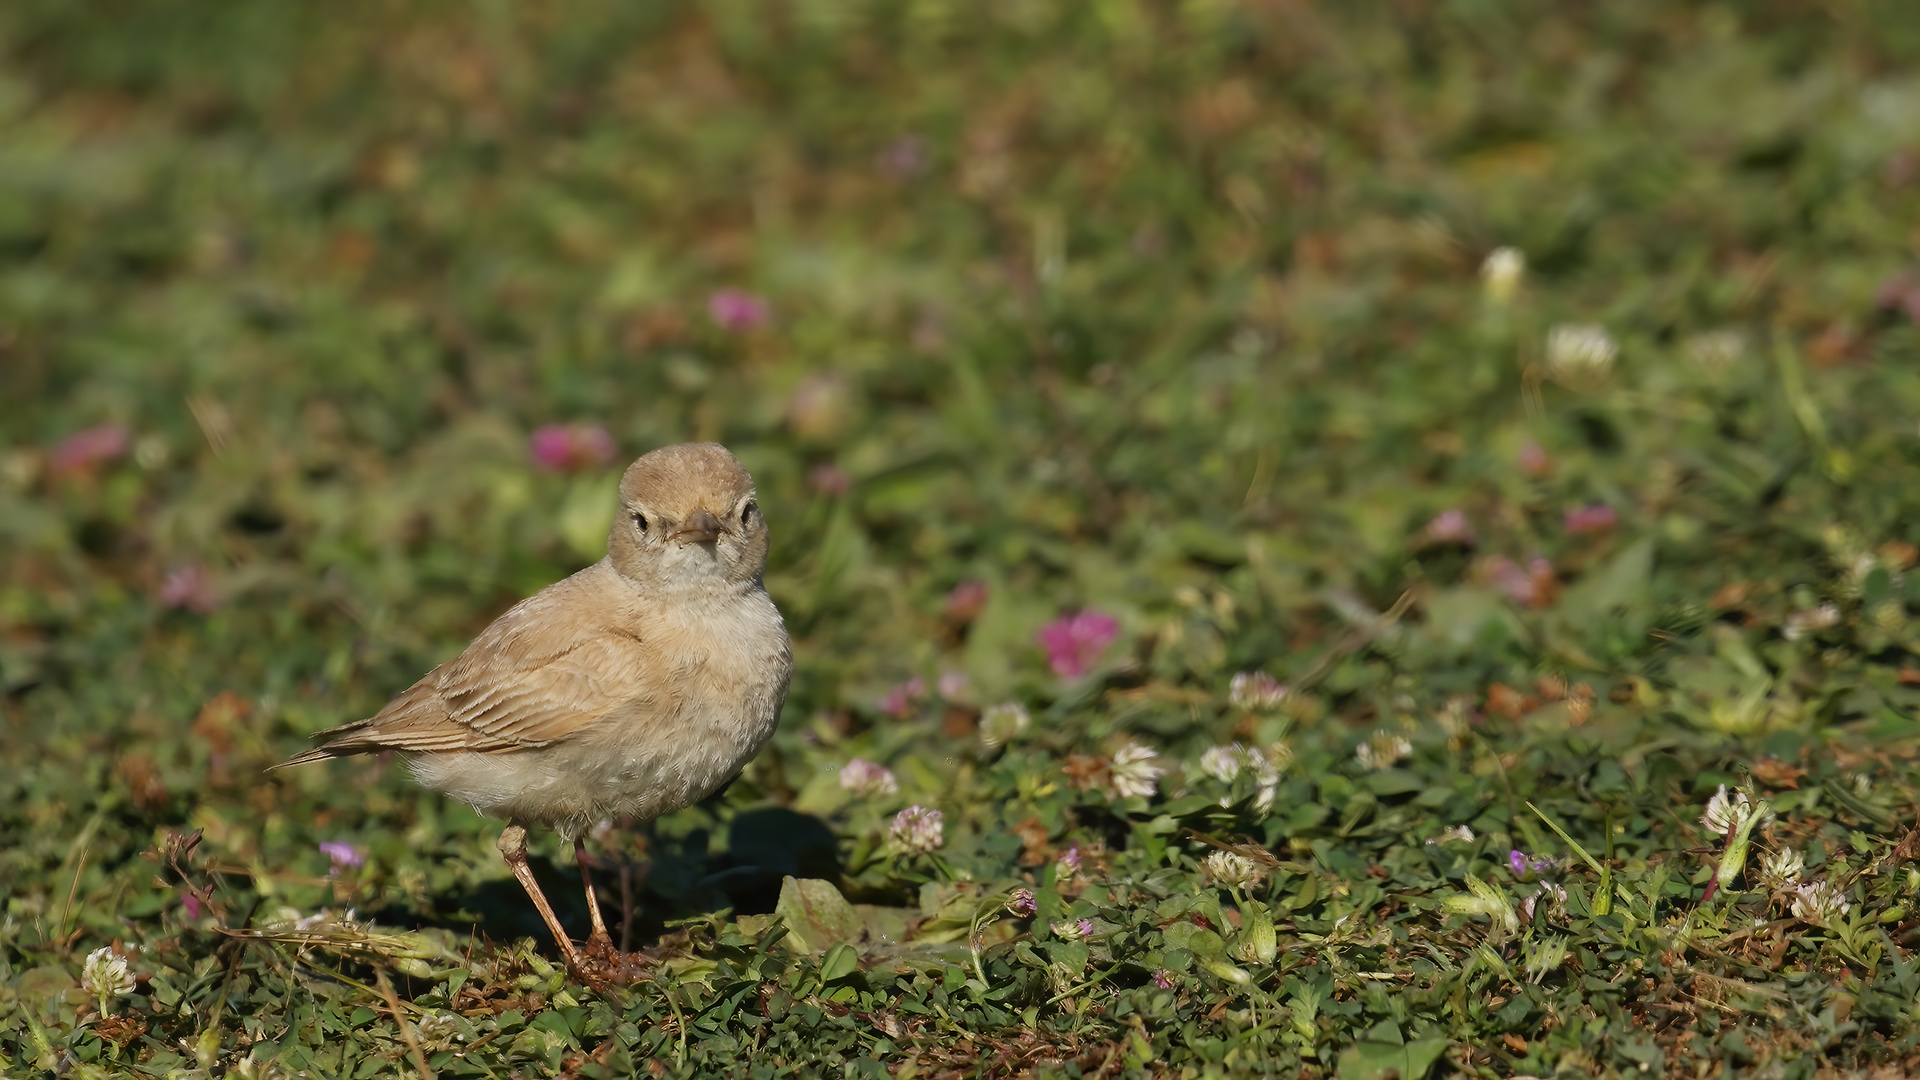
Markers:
point(746, 512)
point(640, 522)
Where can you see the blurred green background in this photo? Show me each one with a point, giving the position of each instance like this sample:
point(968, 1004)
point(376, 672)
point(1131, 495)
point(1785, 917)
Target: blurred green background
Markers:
point(1174, 311)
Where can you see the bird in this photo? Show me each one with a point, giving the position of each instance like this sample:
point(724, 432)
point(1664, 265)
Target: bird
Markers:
point(633, 688)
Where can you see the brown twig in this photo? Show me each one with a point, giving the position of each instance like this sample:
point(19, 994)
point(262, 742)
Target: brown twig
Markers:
point(385, 986)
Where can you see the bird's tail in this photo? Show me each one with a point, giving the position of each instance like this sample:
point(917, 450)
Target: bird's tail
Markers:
point(318, 753)
point(339, 747)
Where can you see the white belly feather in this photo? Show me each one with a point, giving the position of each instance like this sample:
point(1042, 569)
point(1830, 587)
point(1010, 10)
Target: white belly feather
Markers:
point(653, 758)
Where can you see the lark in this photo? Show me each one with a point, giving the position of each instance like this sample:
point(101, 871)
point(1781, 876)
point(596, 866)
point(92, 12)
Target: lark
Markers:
point(634, 688)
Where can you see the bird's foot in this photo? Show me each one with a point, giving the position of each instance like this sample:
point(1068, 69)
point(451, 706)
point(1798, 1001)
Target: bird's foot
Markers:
point(600, 965)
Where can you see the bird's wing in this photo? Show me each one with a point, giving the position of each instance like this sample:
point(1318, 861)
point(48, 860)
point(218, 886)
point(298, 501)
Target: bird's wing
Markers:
point(497, 697)
point(551, 665)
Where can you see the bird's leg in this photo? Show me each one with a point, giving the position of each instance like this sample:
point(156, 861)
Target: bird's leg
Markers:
point(600, 943)
point(513, 848)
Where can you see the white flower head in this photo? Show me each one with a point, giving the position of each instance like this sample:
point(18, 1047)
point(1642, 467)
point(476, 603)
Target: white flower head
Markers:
point(1134, 771)
point(1004, 723)
point(1256, 690)
point(1730, 811)
point(1716, 350)
point(1555, 896)
point(1233, 870)
point(1500, 273)
point(437, 1031)
point(917, 830)
point(868, 780)
point(1801, 623)
point(1580, 355)
point(1819, 903)
point(1382, 750)
point(106, 976)
point(1223, 762)
point(1073, 929)
point(1781, 869)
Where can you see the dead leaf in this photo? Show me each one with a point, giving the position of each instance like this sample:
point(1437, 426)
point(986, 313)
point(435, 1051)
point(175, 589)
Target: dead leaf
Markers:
point(1775, 773)
point(1508, 702)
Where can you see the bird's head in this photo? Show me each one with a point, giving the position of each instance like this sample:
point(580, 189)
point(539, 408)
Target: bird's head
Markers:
point(687, 516)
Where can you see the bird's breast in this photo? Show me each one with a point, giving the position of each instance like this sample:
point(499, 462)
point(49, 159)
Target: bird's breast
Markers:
point(724, 677)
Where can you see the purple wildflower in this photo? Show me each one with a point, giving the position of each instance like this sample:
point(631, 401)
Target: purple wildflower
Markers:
point(737, 309)
point(191, 588)
point(1163, 979)
point(84, 450)
point(1073, 929)
point(1901, 292)
point(572, 447)
point(966, 601)
point(1451, 527)
point(1074, 642)
point(904, 157)
point(829, 480)
point(917, 830)
point(1067, 866)
point(867, 780)
point(1598, 517)
point(344, 855)
point(1534, 585)
point(1522, 864)
point(1021, 903)
point(899, 700)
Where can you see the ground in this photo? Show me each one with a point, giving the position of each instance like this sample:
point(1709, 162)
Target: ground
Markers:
point(1384, 531)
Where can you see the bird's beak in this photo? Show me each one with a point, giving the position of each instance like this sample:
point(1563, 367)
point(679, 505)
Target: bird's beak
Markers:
point(700, 527)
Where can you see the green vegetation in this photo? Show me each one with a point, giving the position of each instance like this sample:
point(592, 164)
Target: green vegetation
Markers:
point(1589, 574)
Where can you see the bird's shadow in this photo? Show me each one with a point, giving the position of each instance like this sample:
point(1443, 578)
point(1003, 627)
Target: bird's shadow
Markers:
point(683, 876)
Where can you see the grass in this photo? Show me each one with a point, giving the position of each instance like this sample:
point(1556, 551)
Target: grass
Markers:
point(1169, 313)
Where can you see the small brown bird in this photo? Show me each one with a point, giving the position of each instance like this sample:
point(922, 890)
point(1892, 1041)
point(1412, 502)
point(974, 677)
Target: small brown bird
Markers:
point(634, 688)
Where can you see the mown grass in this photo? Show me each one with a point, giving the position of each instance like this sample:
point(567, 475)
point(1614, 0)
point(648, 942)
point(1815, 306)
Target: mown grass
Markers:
point(1171, 313)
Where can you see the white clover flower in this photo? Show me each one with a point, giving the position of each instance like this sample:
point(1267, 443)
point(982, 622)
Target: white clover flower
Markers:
point(868, 780)
point(1500, 273)
point(917, 830)
point(1781, 869)
point(1580, 355)
point(1716, 350)
point(1004, 723)
point(1233, 870)
point(1255, 690)
point(1073, 929)
point(1458, 832)
point(1819, 903)
point(1801, 623)
point(1556, 897)
point(106, 976)
point(1730, 811)
point(1223, 762)
point(1382, 750)
point(1134, 771)
point(1263, 798)
point(437, 1031)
